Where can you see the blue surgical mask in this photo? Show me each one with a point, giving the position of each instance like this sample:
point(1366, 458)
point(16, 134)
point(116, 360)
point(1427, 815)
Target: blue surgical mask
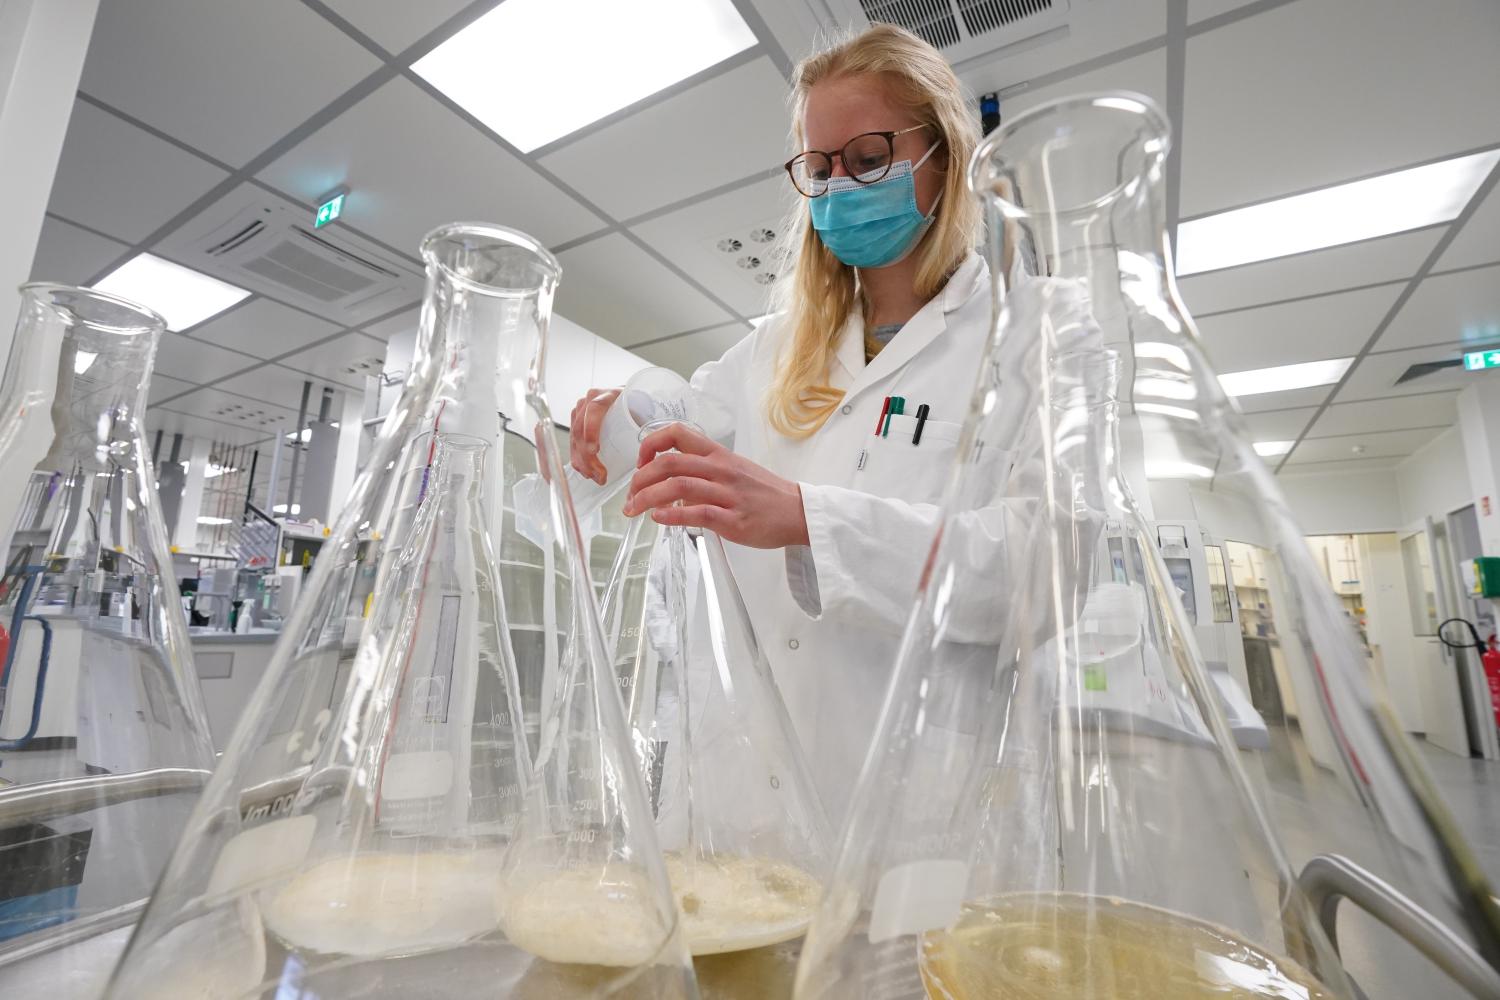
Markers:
point(873, 225)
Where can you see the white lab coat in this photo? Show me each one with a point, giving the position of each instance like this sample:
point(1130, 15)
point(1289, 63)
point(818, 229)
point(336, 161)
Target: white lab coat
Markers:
point(830, 615)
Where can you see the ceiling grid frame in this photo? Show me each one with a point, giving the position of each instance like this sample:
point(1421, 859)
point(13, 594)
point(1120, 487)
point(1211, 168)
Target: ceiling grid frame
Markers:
point(1491, 181)
point(397, 65)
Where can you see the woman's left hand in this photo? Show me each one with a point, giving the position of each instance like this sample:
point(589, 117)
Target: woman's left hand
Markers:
point(718, 490)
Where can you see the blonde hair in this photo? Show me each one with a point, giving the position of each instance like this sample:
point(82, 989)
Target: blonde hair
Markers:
point(824, 290)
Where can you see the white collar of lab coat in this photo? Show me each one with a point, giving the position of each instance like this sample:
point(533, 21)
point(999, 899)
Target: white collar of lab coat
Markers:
point(971, 279)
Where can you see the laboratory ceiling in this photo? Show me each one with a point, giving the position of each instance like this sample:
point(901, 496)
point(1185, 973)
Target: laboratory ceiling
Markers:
point(188, 106)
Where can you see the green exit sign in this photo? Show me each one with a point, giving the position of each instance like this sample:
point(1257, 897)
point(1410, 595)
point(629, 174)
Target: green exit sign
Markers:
point(1476, 360)
point(330, 210)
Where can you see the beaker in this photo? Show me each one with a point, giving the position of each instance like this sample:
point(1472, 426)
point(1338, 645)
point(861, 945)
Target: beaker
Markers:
point(104, 742)
point(1096, 828)
point(745, 837)
point(355, 837)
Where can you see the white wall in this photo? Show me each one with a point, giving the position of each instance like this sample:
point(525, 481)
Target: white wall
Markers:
point(1434, 480)
point(1399, 654)
point(1343, 503)
point(578, 360)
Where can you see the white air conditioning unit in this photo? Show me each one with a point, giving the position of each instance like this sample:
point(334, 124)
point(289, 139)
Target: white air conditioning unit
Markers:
point(964, 30)
point(261, 242)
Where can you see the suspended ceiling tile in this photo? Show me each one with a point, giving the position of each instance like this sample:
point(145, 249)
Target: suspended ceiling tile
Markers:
point(123, 181)
point(396, 24)
point(281, 386)
point(725, 128)
point(685, 354)
point(412, 165)
point(1388, 259)
point(227, 78)
point(619, 292)
point(1461, 307)
point(1304, 95)
point(1374, 376)
point(164, 387)
point(1094, 31)
point(1390, 444)
point(1438, 409)
point(170, 422)
point(265, 329)
point(233, 409)
point(1143, 74)
point(345, 360)
point(196, 361)
point(69, 255)
point(1202, 10)
point(398, 324)
point(689, 238)
point(1478, 242)
point(1293, 398)
point(1331, 326)
point(1279, 425)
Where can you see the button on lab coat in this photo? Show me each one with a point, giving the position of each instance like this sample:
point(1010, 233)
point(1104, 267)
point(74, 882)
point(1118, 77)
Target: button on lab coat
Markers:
point(830, 615)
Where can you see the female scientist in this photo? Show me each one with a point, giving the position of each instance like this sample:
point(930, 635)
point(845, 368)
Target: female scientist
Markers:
point(846, 404)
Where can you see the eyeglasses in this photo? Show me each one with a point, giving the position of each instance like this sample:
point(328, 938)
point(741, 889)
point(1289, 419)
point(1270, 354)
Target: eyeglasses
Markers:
point(866, 158)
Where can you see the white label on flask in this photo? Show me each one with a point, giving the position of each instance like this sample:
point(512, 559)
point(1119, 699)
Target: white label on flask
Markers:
point(916, 897)
point(260, 854)
point(423, 774)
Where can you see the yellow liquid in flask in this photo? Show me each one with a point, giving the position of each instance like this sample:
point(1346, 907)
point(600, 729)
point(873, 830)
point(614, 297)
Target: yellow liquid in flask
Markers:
point(1073, 947)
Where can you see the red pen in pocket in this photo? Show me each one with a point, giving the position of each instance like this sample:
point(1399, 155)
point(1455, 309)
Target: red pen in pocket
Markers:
point(884, 409)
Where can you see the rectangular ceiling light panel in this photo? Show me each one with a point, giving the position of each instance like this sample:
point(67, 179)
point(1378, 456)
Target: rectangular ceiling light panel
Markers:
point(1283, 378)
point(184, 297)
point(537, 70)
point(1359, 210)
point(1266, 449)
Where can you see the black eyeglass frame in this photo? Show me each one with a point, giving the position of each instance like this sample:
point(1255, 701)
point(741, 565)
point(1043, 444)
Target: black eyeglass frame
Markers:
point(890, 143)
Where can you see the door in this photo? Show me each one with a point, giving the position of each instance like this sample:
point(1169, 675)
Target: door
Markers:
point(1436, 672)
point(1458, 541)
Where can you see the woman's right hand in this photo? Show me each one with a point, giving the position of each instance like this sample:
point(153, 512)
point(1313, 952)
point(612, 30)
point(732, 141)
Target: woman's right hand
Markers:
point(583, 439)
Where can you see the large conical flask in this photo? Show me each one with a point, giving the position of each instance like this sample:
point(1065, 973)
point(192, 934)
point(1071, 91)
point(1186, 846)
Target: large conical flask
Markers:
point(1054, 804)
point(746, 843)
point(103, 739)
point(354, 839)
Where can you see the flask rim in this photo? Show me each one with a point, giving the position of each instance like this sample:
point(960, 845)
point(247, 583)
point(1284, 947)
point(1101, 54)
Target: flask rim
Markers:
point(990, 149)
point(150, 321)
point(549, 270)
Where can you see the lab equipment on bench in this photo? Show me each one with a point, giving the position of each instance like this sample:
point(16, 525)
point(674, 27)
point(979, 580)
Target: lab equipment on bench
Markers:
point(746, 842)
point(376, 827)
point(104, 741)
point(1054, 805)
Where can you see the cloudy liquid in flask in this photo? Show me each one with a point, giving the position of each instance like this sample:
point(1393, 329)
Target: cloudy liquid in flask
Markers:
point(1074, 947)
point(734, 904)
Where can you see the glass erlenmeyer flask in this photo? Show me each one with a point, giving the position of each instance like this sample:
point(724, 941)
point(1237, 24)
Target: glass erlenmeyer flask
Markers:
point(353, 840)
point(103, 738)
point(746, 843)
point(1109, 839)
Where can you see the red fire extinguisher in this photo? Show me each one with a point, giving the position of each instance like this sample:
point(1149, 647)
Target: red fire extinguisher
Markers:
point(1491, 660)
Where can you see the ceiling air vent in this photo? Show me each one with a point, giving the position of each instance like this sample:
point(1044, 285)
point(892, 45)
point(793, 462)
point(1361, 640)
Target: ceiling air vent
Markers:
point(1425, 368)
point(752, 252)
point(259, 241)
point(965, 29)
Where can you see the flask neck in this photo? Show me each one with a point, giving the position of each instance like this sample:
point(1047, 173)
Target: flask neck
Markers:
point(1084, 433)
point(484, 322)
point(1075, 193)
point(88, 359)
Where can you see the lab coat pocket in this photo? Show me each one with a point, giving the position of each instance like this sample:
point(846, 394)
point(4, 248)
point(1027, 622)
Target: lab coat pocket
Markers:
point(891, 465)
